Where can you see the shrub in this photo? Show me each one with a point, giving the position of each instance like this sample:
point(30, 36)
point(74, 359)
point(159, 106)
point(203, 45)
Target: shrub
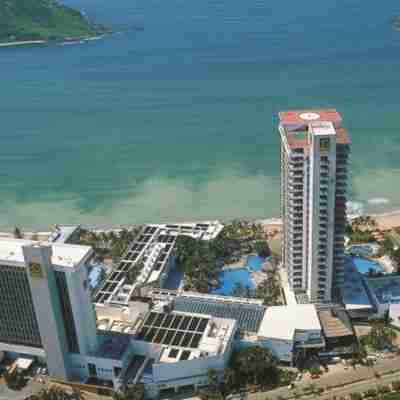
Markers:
point(356, 396)
point(396, 386)
point(383, 389)
point(371, 393)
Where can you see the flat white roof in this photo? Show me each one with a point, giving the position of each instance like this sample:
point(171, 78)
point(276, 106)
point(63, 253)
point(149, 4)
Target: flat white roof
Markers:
point(64, 255)
point(24, 363)
point(11, 250)
point(281, 322)
point(68, 255)
point(322, 128)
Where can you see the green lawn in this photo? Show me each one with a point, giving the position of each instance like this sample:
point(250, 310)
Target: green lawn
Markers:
point(392, 396)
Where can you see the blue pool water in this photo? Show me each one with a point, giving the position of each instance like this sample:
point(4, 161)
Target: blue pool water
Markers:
point(363, 265)
point(361, 249)
point(229, 279)
point(174, 279)
point(254, 263)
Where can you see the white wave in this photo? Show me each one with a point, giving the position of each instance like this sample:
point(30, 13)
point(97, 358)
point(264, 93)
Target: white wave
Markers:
point(378, 201)
point(355, 208)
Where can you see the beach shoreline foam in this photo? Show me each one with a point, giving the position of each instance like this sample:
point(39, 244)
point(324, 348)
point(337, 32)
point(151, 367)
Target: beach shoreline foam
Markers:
point(385, 220)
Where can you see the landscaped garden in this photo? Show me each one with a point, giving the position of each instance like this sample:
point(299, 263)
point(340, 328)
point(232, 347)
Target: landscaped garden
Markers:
point(233, 264)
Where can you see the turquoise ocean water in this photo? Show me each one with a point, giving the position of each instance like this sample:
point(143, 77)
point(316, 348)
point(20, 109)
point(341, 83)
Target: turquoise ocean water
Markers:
point(178, 121)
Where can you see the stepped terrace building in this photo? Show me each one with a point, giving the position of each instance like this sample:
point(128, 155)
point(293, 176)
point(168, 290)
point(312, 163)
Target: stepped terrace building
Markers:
point(314, 155)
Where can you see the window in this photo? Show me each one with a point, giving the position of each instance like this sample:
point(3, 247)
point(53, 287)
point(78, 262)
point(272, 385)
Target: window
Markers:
point(173, 353)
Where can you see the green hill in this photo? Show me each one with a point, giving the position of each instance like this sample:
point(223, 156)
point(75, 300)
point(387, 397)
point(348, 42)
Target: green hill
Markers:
point(41, 20)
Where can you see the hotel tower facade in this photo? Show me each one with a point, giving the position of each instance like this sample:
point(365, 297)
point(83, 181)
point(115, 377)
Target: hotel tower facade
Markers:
point(314, 157)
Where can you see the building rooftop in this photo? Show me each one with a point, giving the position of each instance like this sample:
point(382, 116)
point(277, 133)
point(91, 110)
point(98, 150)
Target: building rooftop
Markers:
point(195, 334)
point(335, 323)
point(112, 346)
point(11, 250)
point(306, 116)
point(322, 128)
point(281, 322)
point(62, 233)
point(248, 316)
point(152, 248)
point(63, 255)
point(69, 255)
point(297, 126)
point(385, 289)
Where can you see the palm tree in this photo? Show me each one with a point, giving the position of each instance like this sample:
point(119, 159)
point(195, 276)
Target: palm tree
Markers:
point(17, 233)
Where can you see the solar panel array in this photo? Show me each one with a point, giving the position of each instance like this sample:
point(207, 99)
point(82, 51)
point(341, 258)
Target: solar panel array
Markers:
point(248, 316)
point(131, 256)
point(173, 329)
point(127, 261)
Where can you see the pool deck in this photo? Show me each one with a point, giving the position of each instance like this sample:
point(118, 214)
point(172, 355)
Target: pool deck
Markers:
point(237, 265)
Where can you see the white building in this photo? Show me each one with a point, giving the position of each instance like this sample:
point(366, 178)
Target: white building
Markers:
point(314, 153)
point(286, 330)
point(46, 312)
point(45, 307)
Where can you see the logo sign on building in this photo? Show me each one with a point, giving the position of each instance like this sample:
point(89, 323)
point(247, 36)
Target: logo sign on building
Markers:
point(36, 271)
point(324, 145)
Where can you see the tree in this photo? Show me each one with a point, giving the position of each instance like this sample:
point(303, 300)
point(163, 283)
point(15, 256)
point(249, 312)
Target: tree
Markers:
point(17, 233)
point(57, 393)
point(396, 386)
point(229, 378)
point(132, 392)
point(262, 249)
point(213, 380)
point(255, 365)
point(206, 394)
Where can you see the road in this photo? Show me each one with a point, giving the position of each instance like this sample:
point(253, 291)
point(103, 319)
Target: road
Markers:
point(349, 381)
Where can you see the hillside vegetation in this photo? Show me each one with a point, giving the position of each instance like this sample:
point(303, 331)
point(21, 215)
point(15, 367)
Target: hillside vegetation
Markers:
point(40, 20)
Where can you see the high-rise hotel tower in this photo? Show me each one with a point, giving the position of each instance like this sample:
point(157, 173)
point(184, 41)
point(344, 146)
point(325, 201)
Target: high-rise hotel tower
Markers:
point(314, 155)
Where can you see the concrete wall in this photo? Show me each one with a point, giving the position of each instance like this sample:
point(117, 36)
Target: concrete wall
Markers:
point(14, 348)
point(82, 308)
point(104, 366)
point(185, 369)
point(47, 308)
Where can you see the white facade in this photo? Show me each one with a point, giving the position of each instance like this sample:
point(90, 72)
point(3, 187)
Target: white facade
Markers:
point(56, 314)
point(287, 328)
point(314, 151)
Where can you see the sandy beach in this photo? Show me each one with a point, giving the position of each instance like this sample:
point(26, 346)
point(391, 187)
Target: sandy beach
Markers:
point(388, 221)
point(22, 43)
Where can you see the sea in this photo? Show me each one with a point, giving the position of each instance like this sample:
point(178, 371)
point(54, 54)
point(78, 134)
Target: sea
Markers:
point(173, 117)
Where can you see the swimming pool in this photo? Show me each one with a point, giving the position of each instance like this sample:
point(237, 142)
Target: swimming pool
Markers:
point(367, 249)
point(363, 265)
point(230, 278)
point(174, 279)
point(254, 263)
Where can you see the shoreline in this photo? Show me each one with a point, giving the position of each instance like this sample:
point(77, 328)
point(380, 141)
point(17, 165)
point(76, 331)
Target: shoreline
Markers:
point(65, 40)
point(22, 43)
point(386, 220)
